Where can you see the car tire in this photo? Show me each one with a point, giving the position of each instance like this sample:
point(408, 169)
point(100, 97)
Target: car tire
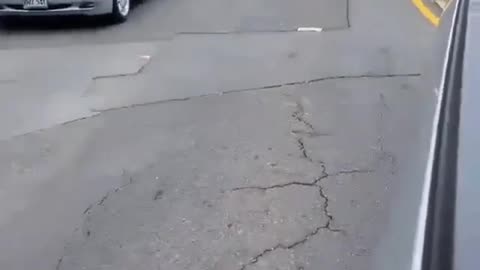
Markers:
point(120, 10)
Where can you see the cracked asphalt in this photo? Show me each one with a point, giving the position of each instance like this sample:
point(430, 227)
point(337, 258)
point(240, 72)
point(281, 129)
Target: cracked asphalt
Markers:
point(213, 135)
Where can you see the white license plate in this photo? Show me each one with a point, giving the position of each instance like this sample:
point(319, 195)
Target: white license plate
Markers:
point(35, 4)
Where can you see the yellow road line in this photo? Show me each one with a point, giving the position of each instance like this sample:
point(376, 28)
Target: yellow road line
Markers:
point(426, 12)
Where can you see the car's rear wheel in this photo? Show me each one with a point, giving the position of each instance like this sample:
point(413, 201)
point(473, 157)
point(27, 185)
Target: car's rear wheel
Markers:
point(120, 11)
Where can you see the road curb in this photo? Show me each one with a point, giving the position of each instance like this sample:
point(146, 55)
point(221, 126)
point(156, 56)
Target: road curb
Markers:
point(431, 11)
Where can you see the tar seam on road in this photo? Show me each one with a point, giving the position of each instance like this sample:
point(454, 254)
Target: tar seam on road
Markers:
point(383, 154)
point(57, 125)
point(348, 14)
point(139, 71)
point(274, 86)
point(97, 113)
point(106, 195)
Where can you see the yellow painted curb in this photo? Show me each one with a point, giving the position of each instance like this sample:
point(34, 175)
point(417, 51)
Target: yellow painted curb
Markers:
point(426, 12)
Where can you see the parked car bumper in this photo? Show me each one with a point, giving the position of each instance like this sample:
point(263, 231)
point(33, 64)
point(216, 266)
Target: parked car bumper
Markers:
point(57, 7)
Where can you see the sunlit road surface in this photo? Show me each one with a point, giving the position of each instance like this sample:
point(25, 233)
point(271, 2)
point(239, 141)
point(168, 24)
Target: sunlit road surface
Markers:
point(214, 135)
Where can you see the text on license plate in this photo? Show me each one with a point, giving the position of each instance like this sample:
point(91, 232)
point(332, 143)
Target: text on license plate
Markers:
point(32, 4)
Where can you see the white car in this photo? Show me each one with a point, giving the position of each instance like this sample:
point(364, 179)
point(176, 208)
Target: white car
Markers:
point(118, 10)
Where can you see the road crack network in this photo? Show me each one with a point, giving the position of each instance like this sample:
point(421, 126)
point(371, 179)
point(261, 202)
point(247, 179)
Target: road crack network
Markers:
point(328, 226)
point(303, 149)
point(302, 241)
point(299, 116)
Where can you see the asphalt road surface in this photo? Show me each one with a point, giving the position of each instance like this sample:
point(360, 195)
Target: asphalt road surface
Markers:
point(214, 135)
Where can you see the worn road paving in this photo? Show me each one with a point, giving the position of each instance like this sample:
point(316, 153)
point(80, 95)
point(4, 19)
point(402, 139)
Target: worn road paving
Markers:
point(214, 135)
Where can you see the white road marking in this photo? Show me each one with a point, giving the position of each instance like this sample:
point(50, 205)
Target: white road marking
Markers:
point(309, 29)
